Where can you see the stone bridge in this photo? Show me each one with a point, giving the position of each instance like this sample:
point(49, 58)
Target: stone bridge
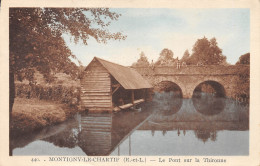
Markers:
point(189, 77)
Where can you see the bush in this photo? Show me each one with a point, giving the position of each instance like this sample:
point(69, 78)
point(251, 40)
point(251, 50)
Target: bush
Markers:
point(60, 93)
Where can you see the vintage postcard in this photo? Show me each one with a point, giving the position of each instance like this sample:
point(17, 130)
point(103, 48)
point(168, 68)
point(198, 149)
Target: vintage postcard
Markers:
point(130, 83)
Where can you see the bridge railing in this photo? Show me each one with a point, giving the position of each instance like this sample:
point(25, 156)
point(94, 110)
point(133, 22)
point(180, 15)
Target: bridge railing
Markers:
point(192, 69)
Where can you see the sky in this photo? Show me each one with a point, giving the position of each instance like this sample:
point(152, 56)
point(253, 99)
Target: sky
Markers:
point(152, 29)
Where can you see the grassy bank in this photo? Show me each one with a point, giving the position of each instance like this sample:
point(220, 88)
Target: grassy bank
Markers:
point(31, 114)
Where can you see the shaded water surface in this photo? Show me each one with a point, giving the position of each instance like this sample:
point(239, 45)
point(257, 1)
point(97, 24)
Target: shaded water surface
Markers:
point(166, 126)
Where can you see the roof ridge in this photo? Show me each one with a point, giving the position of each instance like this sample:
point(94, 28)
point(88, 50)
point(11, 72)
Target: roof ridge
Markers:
point(128, 77)
point(112, 62)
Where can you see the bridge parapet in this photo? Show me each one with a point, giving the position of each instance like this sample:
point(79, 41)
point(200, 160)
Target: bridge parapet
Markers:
point(192, 70)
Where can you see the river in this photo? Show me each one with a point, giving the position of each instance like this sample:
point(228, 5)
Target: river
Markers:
point(168, 125)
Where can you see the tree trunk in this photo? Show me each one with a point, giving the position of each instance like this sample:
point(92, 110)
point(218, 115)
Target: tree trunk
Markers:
point(11, 92)
point(11, 103)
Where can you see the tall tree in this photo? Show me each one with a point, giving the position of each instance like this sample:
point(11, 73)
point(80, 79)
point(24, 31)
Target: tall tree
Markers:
point(36, 41)
point(206, 52)
point(244, 59)
point(142, 61)
point(185, 56)
point(243, 82)
point(165, 58)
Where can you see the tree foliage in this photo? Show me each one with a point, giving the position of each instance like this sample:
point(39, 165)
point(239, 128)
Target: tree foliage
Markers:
point(185, 56)
point(142, 61)
point(242, 87)
point(165, 58)
point(206, 52)
point(243, 82)
point(36, 41)
point(244, 59)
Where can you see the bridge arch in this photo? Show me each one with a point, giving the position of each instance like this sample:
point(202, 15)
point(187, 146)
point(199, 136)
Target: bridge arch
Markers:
point(168, 98)
point(210, 86)
point(209, 97)
point(157, 80)
point(168, 86)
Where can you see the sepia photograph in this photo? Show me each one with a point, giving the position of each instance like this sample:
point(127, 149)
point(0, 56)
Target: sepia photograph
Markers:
point(129, 81)
point(137, 82)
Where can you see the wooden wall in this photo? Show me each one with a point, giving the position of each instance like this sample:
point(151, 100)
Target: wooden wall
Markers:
point(96, 88)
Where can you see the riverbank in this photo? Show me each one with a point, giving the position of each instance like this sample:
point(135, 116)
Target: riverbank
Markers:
point(31, 114)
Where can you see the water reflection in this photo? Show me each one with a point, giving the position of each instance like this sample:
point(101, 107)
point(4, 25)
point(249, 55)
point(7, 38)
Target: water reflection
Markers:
point(208, 104)
point(102, 133)
point(21, 141)
point(67, 137)
point(209, 98)
point(167, 103)
point(204, 135)
point(95, 134)
point(165, 126)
